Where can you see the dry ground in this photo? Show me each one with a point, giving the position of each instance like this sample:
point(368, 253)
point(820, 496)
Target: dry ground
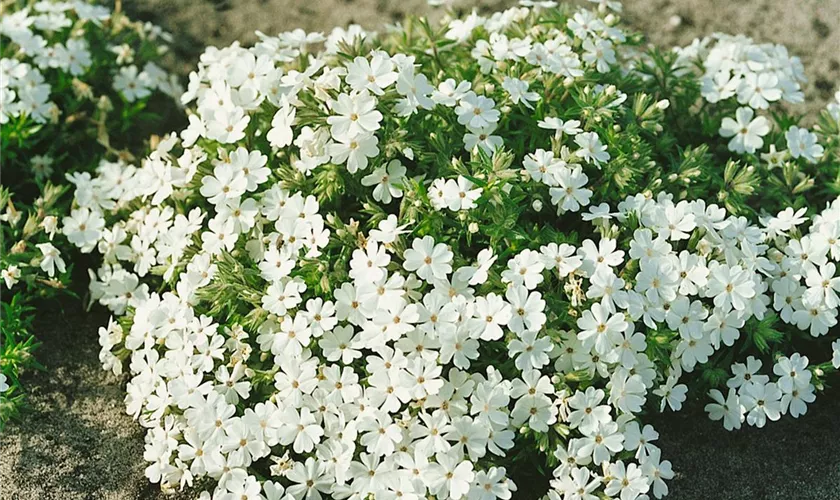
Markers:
point(77, 443)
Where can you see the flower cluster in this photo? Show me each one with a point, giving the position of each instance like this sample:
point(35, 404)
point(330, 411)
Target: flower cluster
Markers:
point(343, 279)
point(743, 82)
point(69, 83)
point(755, 75)
point(70, 64)
point(805, 286)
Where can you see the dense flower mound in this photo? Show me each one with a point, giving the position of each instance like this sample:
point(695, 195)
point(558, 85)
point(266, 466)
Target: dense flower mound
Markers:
point(74, 78)
point(459, 261)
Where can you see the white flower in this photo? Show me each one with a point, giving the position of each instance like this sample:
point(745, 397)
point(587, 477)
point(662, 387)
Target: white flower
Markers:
point(415, 89)
point(796, 401)
point(692, 351)
point(83, 228)
point(428, 260)
point(355, 151)
point(591, 149)
point(756, 90)
point(605, 255)
point(490, 485)
point(835, 357)
point(671, 393)
point(600, 329)
point(492, 312)
point(675, 222)
point(822, 284)
point(530, 351)
point(538, 411)
point(355, 114)
point(730, 409)
point(817, 319)
point(252, 164)
point(478, 274)
point(577, 484)
point(730, 286)
point(460, 194)
point(724, 326)
point(657, 471)
point(11, 275)
point(561, 258)
point(802, 143)
point(483, 137)
point(300, 430)
point(527, 309)
point(51, 260)
point(388, 230)
point(374, 75)
point(226, 184)
point(525, 269)
point(280, 135)
point(476, 112)
point(282, 296)
point(627, 392)
point(228, 126)
point(793, 372)
point(449, 92)
point(388, 181)
point(450, 477)
point(745, 131)
point(588, 412)
point(542, 166)
point(600, 53)
point(747, 374)
point(132, 85)
point(786, 220)
point(628, 482)
point(602, 442)
point(460, 29)
point(687, 317)
point(568, 127)
point(518, 91)
point(310, 480)
point(762, 402)
point(570, 195)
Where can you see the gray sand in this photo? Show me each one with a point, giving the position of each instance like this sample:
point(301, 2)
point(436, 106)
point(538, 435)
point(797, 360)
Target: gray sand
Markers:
point(77, 442)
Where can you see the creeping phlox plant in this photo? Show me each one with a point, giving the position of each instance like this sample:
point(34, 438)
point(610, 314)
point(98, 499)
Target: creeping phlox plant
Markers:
point(73, 76)
point(742, 85)
point(417, 264)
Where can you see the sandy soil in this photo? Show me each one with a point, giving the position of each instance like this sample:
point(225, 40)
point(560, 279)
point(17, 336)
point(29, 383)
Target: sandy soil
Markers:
point(77, 443)
point(76, 439)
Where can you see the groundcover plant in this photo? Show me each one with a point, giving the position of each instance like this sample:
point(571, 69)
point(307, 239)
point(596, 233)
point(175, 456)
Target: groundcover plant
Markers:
point(462, 261)
point(76, 82)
